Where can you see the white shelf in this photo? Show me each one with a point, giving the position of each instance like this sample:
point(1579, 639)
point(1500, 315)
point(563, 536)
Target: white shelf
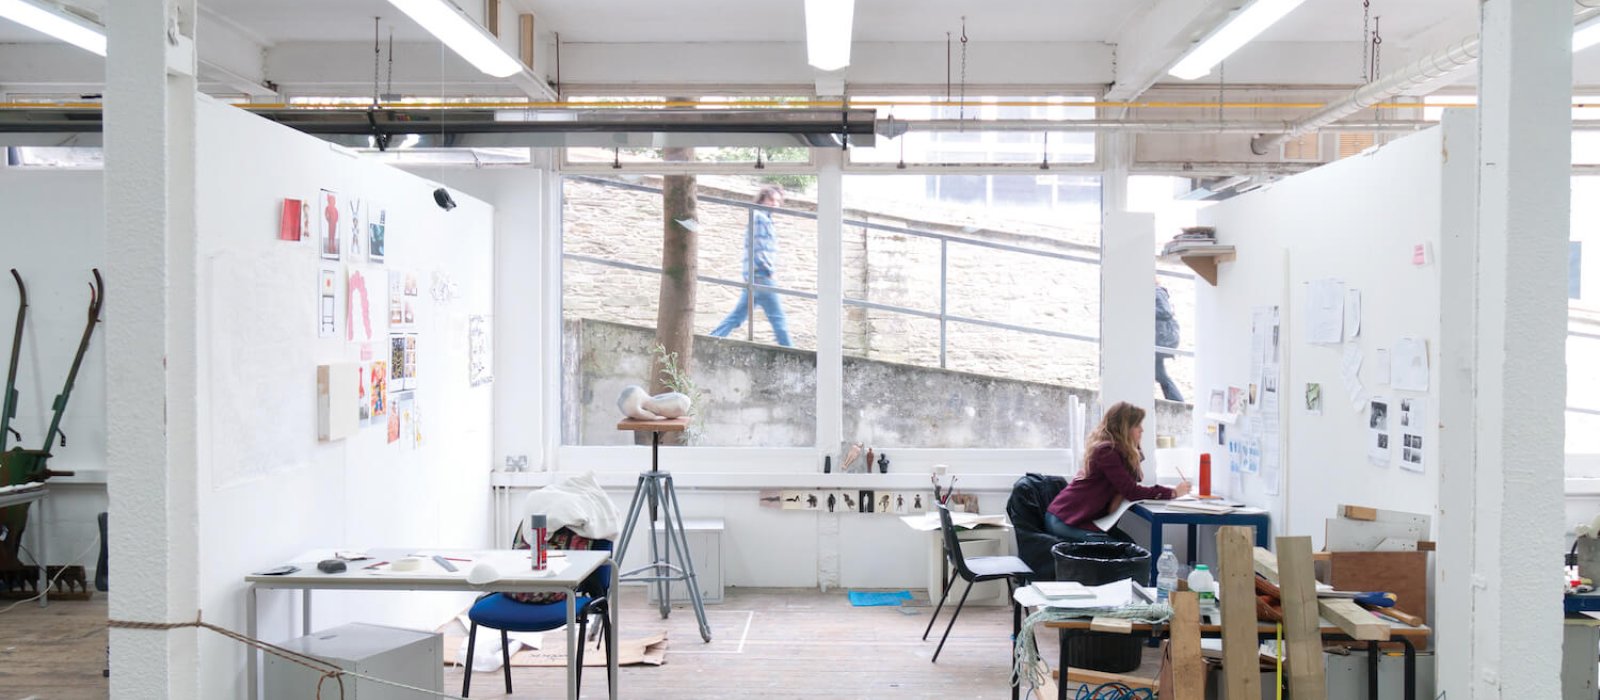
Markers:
point(736, 481)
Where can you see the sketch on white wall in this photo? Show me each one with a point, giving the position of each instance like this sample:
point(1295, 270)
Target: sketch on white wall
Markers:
point(356, 233)
point(1378, 431)
point(360, 327)
point(328, 223)
point(1413, 419)
point(328, 302)
point(480, 351)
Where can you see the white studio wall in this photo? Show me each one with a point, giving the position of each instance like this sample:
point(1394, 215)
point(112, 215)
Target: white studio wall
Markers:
point(55, 234)
point(268, 489)
point(1358, 221)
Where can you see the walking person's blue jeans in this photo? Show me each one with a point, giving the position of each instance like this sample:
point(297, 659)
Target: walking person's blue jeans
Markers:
point(770, 305)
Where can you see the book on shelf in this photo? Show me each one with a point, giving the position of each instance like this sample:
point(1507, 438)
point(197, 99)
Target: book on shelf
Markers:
point(1060, 590)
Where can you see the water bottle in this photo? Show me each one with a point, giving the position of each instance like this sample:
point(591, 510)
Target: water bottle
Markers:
point(1166, 574)
point(1204, 587)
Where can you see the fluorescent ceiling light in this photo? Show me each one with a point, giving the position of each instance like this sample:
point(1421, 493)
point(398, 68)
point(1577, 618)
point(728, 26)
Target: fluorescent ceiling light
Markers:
point(1586, 34)
point(1238, 31)
point(463, 35)
point(56, 22)
point(828, 27)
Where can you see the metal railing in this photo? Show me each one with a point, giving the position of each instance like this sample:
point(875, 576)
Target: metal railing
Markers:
point(943, 315)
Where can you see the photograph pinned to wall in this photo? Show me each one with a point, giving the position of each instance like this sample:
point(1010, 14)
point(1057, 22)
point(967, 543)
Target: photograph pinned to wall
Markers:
point(1313, 398)
point(328, 288)
point(355, 235)
point(1324, 312)
point(1236, 399)
point(1222, 435)
point(397, 362)
point(377, 223)
point(813, 500)
point(397, 316)
point(1219, 401)
point(406, 407)
point(1352, 314)
point(359, 326)
point(794, 499)
point(1378, 431)
point(884, 504)
point(1255, 396)
point(292, 220)
point(849, 501)
point(770, 498)
point(380, 389)
point(411, 361)
point(416, 430)
point(444, 288)
point(865, 500)
point(363, 397)
point(394, 417)
point(328, 223)
point(902, 503)
point(1413, 421)
point(480, 350)
point(918, 503)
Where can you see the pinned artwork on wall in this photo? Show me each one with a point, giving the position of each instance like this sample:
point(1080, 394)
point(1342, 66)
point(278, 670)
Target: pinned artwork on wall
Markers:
point(328, 217)
point(394, 416)
point(292, 220)
point(403, 296)
point(355, 234)
point(380, 389)
point(377, 223)
point(359, 326)
point(480, 351)
point(403, 361)
point(1378, 431)
point(406, 406)
point(328, 302)
point(363, 397)
point(1313, 398)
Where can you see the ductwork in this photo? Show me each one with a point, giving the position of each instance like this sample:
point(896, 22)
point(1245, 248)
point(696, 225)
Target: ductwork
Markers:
point(1427, 69)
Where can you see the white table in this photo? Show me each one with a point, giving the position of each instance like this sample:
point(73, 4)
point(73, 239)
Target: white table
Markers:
point(516, 577)
point(42, 557)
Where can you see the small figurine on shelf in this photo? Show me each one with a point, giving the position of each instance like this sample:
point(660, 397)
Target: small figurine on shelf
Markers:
point(870, 459)
point(883, 464)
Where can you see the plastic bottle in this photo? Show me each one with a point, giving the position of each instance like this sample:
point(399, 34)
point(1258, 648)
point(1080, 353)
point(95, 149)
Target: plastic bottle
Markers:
point(1204, 586)
point(1166, 574)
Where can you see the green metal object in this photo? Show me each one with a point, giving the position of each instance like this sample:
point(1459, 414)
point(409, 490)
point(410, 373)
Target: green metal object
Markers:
point(97, 298)
point(9, 410)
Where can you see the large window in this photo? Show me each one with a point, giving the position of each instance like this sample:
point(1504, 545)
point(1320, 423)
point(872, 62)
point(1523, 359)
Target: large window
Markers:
point(1164, 197)
point(969, 317)
point(977, 145)
point(1583, 320)
point(755, 383)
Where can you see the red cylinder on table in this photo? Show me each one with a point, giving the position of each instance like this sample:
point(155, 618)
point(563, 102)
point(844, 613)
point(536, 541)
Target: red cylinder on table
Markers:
point(537, 534)
point(1205, 475)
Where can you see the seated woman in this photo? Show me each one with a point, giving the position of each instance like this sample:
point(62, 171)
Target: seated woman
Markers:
point(1110, 476)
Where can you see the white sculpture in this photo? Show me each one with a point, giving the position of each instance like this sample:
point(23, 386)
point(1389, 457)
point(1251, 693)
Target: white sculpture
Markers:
point(636, 404)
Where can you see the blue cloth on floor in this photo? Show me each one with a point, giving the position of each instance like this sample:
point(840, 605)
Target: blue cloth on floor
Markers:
point(865, 599)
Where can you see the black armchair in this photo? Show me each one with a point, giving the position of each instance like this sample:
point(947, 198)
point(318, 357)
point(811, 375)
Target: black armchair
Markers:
point(1030, 496)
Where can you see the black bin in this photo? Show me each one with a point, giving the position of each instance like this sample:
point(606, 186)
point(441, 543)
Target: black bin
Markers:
point(1093, 564)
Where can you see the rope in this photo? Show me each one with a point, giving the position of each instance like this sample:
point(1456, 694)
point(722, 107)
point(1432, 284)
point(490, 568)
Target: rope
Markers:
point(1113, 691)
point(1026, 664)
point(324, 669)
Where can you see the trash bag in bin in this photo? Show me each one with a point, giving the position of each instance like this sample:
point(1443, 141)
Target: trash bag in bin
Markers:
point(1094, 564)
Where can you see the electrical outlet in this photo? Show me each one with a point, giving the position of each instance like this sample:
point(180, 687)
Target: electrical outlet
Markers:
point(516, 463)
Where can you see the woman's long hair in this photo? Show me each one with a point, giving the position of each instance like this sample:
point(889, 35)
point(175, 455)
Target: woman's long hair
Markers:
point(1116, 429)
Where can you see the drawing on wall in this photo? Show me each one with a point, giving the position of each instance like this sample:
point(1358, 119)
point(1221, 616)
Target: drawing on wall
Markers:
point(358, 308)
point(1378, 431)
point(1236, 398)
point(794, 500)
point(363, 398)
point(292, 220)
point(480, 347)
point(377, 222)
point(328, 224)
point(1413, 419)
point(327, 303)
point(1409, 364)
point(1219, 401)
point(405, 407)
point(866, 499)
point(380, 389)
point(415, 414)
point(444, 288)
point(402, 361)
point(1314, 398)
point(771, 498)
point(397, 318)
point(394, 418)
point(356, 234)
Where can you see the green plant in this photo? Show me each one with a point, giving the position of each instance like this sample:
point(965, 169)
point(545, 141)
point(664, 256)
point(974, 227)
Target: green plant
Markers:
point(676, 378)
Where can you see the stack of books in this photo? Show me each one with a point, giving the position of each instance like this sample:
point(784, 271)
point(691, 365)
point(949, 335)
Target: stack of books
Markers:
point(1192, 237)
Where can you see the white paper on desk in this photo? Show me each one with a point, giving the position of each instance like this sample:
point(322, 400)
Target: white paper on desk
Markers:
point(1110, 595)
point(1109, 520)
point(1409, 365)
point(928, 522)
point(1325, 311)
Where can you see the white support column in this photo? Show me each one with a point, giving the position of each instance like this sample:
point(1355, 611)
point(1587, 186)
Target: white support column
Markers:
point(151, 344)
point(830, 302)
point(1524, 143)
point(1127, 293)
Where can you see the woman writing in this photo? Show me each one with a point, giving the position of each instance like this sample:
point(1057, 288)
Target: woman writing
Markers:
point(1110, 476)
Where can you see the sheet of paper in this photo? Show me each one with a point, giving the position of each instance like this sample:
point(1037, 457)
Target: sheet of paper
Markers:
point(1352, 314)
point(1413, 422)
point(1325, 311)
point(1409, 364)
point(1381, 367)
point(1357, 395)
point(1109, 520)
point(1378, 431)
point(1350, 364)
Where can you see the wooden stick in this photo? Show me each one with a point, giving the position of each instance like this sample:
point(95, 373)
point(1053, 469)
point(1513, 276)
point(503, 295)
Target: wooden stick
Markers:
point(1353, 619)
point(1359, 513)
point(1302, 628)
point(1112, 625)
point(1241, 660)
point(1188, 666)
point(1398, 615)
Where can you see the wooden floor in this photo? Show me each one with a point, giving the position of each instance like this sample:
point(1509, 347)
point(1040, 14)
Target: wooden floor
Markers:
point(767, 643)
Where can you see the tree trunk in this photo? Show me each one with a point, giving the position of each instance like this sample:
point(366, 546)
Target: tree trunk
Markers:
point(680, 265)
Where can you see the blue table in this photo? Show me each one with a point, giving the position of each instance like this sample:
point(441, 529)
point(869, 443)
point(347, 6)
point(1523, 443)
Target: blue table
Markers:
point(1159, 516)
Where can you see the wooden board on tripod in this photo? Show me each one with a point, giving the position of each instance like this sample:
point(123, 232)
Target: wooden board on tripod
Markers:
point(666, 425)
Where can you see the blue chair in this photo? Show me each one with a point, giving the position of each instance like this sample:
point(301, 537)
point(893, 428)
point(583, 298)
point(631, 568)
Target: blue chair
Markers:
point(496, 611)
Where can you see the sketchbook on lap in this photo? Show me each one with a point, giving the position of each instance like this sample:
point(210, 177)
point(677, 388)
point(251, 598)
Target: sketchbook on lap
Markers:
point(1109, 520)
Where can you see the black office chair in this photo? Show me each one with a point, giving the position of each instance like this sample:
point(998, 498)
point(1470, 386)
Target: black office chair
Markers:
point(973, 570)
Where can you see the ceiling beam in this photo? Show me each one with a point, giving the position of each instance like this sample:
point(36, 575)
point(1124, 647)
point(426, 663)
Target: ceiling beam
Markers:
point(1166, 30)
point(232, 57)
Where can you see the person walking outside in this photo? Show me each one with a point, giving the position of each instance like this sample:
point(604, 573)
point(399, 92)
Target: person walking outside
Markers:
point(760, 263)
point(1166, 342)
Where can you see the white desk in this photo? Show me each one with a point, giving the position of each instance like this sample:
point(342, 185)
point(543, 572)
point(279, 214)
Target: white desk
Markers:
point(42, 556)
point(516, 573)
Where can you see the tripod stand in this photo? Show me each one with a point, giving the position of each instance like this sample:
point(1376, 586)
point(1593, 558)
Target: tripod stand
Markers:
point(655, 490)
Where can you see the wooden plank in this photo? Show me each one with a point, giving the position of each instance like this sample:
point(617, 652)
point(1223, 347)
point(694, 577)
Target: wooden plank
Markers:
point(491, 14)
point(668, 425)
point(1113, 625)
point(1302, 628)
point(1188, 665)
point(525, 39)
point(1083, 676)
point(1398, 616)
point(1266, 563)
point(1241, 662)
point(1359, 512)
point(1353, 619)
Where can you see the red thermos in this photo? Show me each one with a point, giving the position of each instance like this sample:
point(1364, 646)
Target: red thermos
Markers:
point(536, 533)
point(1205, 475)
